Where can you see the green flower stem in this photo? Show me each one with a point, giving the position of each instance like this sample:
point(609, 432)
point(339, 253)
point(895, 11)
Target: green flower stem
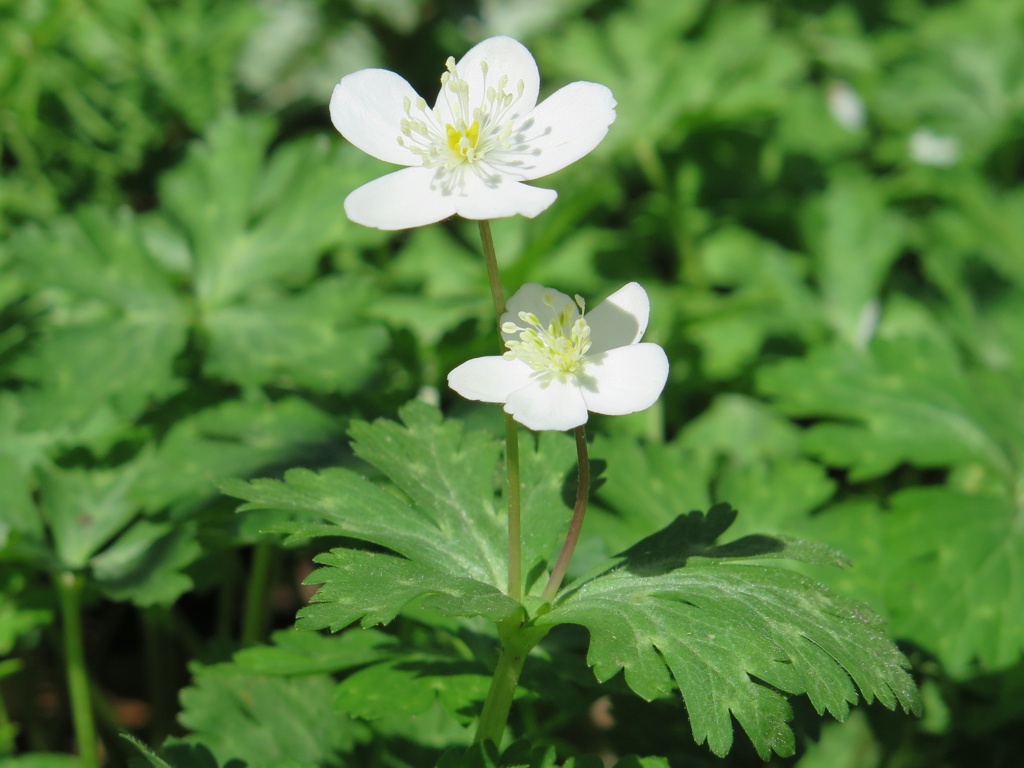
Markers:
point(578, 513)
point(8, 729)
point(493, 276)
point(254, 621)
point(69, 589)
point(515, 557)
point(516, 643)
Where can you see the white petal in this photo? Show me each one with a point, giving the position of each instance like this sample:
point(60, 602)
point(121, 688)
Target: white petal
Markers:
point(566, 126)
point(504, 56)
point(489, 379)
point(400, 200)
point(545, 303)
point(367, 108)
point(548, 402)
point(480, 200)
point(624, 380)
point(619, 320)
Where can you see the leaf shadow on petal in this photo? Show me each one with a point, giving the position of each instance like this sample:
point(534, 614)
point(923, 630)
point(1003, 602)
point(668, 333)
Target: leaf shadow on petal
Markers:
point(616, 328)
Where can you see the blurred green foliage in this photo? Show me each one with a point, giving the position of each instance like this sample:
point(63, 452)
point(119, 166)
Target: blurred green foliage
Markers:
point(823, 199)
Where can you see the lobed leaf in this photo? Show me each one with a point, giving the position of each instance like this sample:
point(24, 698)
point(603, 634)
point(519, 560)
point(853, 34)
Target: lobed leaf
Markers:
point(442, 523)
point(734, 635)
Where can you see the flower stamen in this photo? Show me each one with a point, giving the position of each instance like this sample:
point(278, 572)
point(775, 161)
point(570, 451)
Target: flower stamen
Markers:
point(559, 348)
point(480, 138)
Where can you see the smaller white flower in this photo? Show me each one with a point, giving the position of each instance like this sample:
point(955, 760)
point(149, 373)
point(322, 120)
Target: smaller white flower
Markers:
point(469, 152)
point(845, 105)
point(563, 362)
point(930, 148)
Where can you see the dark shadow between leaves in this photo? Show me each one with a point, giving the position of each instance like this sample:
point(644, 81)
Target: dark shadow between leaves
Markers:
point(694, 535)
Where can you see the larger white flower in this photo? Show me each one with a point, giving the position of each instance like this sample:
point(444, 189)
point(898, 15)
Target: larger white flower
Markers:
point(562, 362)
point(471, 151)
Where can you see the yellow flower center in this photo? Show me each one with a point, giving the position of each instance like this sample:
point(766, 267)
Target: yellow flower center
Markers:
point(463, 140)
point(480, 137)
point(560, 347)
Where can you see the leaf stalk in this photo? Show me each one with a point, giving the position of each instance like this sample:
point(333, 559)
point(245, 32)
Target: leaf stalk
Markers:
point(69, 589)
point(515, 557)
point(578, 513)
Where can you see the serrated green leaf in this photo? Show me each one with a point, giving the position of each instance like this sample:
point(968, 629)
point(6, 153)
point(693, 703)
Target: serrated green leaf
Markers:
point(177, 755)
point(85, 510)
point(856, 239)
point(149, 757)
point(850, 744)
point(522, 754)
point(764, 295)
point(448, 475)
point(953, 584)
point(445, 521)
point(313, 339)
point(254, 222)
point(373, 588)
point(113, 329)
point(732, 634)
point(307, 653)
point(146, 563)
point(410, 684)
point(901, 401)
point(266, 721)
point(237, 437)
point(41, 760)
point(22, 609)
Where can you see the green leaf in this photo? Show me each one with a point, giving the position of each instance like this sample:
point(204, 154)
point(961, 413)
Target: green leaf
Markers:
point(522, 754)
point(41, 760)
point(266, 721)
point(23, 609)
point(734, 635)
point(761, 294)
point(442, 521)
point(953, 583)
point(146, 563)
point(182, 471)
point(410, 684)
point(315, 339)
point(114, 327)
point(373, 588)
point(738, 449)
point(844, 745)
point(907, 400)
point(307, 653)
point(252, 222)
point(85, 510)
point(856, 239)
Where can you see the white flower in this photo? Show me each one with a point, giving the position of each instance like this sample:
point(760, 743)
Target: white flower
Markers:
point(846, 105)
point(471, 151)
point(561, 363)
point(929, 148)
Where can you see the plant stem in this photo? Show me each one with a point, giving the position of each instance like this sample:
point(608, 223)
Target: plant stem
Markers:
point(516, 643)
point(255, 619)
point(579, 511)
point(515, 557)
point(8, 729)
point(493, 276)
point(69, 590)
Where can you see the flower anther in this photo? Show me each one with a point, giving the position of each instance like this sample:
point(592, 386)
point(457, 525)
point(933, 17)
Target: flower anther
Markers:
point(469, 152)
point(561, 362)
